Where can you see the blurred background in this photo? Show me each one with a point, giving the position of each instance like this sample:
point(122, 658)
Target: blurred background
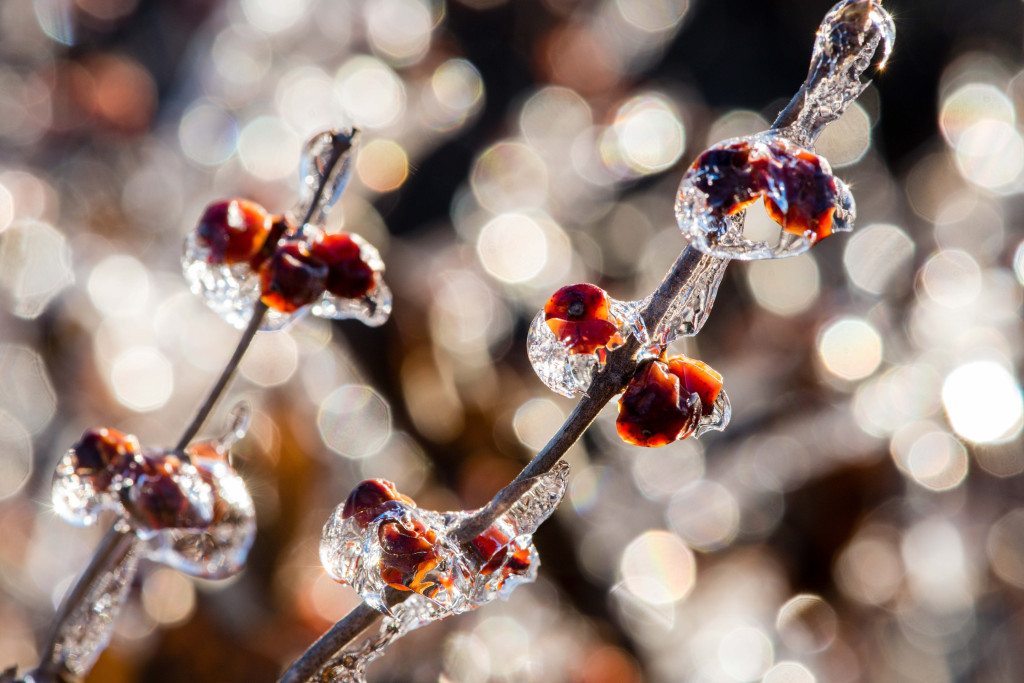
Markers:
point(861, 519)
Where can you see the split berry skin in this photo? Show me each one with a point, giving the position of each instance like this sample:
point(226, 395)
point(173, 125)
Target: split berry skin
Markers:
point(234, 230)
point(292, 277)
point(654, 411)
point(370, 499)
point(348, 276)
point(580, 317)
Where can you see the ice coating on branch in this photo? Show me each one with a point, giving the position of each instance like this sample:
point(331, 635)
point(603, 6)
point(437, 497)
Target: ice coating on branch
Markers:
point(87, 630)
point(796, 186)
point(689, 311)
point(193, 513)
point(239, 254)
point(846, 43)
point(567, 371)
point(316, 170)
point(355, 551)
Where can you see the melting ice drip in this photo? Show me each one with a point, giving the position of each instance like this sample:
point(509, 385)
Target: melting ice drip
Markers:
point(232, 289)
point(378, 539)
point(193, 514)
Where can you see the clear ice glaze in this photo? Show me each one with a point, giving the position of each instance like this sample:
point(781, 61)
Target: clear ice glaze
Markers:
point(87, 630)
point(568, 373)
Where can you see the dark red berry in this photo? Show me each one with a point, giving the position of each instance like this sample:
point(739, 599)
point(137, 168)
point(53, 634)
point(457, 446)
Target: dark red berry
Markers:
point(730, 176)
point(407, 555)
point(697, 377)
point(809, 192)
point(653, 411)
point(233, 230)
point(349, 276)
point(102, 452)
point(580, 317)
point(292, 278)
point(492, 548)
point(370, 498)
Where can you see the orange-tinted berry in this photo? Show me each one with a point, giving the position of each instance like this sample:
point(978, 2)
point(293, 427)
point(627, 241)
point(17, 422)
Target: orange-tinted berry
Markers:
point(407, 554)
point(349, 276)
point(370, 498)
point(810, 191)
point(233, 230)
point(292, 278)
point(102, 452)
point(653, 411)
point(492, 547)
point(697, 377)
point(580, 317)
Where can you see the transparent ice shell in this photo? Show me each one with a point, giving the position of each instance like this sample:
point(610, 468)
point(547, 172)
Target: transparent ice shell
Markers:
point(230, 290)
point(354, 555)
point(374, 308)
point(689, 311)
point(87, 630)
point(718, 419)
point(846, 43)
point(217, 497)
point(722, 236)
point(220, 549)
point(568, 373)
point(316, 171)
point(340, 552)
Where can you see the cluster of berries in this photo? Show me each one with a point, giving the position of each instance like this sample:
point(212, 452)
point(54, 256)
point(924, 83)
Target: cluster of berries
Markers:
point(800, 193)
point(294, 268)
point(409, 549)
point(191, 506)
point(668, 398)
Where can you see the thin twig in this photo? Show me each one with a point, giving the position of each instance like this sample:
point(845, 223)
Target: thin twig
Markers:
point(259, 312)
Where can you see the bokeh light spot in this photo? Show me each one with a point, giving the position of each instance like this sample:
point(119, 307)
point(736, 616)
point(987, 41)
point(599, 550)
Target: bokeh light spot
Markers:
point(850, 348)
point(354, 421)
point(983, 402)
point(658, 568)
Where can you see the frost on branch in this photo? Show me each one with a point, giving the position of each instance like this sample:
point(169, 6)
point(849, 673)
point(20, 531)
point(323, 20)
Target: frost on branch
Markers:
point(570, 339)
point(239, 254)
point(379, 539)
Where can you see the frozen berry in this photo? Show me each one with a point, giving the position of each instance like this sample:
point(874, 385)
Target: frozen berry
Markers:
point(233, 230)
point(654, 411)
point(580, 317)
point(292, 278)
point(102, 452)
point(349, 276)
point(370, 498)
point(808, 193)
point(697, 377)
point(730, 176)
point(155, 500)
point(494, 547)
point(407, 555)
